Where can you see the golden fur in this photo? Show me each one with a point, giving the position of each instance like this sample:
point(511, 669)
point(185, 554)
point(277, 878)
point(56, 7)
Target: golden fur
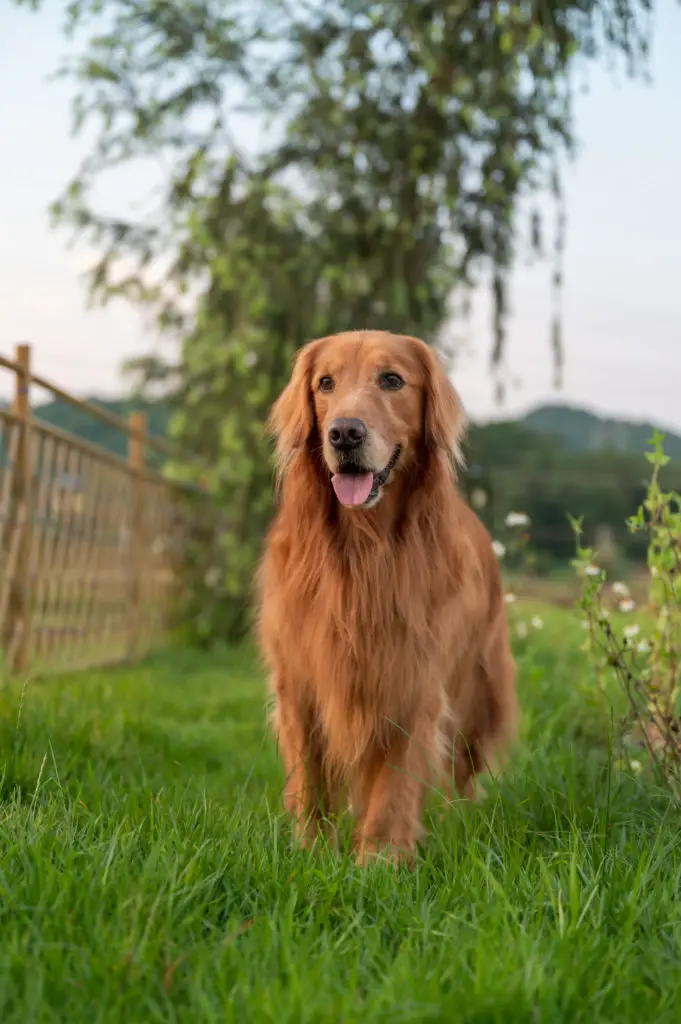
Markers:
point(383, 628)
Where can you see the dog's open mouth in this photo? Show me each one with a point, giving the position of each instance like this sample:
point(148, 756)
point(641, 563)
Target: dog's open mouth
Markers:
point(355, 486)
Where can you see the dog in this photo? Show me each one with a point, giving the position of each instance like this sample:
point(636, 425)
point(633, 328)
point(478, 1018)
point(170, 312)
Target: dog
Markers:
point(381, 613)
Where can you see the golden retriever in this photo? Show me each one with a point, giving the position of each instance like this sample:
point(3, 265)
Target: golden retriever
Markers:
point(382, 619)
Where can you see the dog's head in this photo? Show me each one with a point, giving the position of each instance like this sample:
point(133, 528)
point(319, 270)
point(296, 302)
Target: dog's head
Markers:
point(374, 403)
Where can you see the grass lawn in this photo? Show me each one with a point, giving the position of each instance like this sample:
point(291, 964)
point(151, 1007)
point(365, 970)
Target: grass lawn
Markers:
point(147, 873)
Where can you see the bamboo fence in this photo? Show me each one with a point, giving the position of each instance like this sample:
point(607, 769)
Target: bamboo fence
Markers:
point(90, 543)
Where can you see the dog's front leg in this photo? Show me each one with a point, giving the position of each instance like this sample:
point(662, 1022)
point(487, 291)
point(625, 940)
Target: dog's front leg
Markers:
point(396, 784)
point(304, 790)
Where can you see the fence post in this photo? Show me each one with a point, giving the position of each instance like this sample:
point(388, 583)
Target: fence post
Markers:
point(138, 426)
point(19, 611)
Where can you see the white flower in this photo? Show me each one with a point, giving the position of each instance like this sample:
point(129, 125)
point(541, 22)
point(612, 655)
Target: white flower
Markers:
point(631, 631)
point(509, 598)
point(635, 767)
point(517, 519)
point(478, 498)
point(585, 623)
point(627, 605)
point(536, 622)
point(621, 589)
point(499, 548)
point(212, 577)
point(643, 647)
point(521, 629)
point(592, 570)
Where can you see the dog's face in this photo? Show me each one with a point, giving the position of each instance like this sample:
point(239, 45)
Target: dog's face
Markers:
point(375, 400)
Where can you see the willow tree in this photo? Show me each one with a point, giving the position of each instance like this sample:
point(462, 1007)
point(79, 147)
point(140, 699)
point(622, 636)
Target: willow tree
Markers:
point(400, 142)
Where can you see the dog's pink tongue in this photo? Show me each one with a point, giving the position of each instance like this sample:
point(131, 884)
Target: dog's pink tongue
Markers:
point(352, 489)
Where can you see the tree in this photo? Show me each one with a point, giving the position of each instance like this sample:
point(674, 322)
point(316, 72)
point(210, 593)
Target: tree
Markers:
point(403, 139)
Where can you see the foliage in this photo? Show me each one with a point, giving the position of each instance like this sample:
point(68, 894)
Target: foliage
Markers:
point(516, 556)
point(400, 142)
point(647, 667)
point(148, 872)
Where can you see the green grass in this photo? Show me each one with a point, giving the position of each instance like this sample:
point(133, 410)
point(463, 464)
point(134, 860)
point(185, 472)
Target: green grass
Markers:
point(147, 873)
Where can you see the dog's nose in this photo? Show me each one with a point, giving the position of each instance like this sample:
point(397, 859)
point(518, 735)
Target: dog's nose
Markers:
point(347, 433)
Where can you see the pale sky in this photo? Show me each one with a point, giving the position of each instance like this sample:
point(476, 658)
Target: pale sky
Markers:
point(622, 314)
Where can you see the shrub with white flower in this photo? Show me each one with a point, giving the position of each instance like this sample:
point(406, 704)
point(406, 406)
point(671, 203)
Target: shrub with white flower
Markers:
point(514, 543)
point(647, 667)
point(536, 622)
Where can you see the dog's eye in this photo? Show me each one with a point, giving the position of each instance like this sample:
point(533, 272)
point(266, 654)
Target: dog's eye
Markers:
point(391, 382)
point(326, 383)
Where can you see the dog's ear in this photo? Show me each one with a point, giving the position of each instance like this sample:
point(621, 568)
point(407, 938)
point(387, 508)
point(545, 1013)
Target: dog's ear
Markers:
point(292, 416)
point(444, 416)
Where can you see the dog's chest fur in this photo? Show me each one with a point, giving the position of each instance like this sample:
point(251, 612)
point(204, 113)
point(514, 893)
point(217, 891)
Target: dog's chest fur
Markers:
point(369, 649)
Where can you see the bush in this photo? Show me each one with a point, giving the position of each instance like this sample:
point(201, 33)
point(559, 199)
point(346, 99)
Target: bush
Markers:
point(646, 663)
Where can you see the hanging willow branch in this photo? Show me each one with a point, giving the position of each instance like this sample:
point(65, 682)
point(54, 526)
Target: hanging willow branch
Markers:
point(557, 279)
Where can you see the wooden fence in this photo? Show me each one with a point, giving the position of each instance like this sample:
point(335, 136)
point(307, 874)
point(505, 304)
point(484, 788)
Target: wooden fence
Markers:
point(90, 543)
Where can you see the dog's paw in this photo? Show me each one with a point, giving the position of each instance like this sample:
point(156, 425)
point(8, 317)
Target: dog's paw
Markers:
point(372, 851)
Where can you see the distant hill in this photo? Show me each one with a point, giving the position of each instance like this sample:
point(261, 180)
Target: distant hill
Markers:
point(582, 431)
point(81, 423)
point(540, 433)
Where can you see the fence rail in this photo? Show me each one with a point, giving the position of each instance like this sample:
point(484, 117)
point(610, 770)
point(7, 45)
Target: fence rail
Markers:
point(90, 543)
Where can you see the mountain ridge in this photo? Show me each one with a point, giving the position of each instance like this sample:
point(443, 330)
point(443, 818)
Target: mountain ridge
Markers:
point(581, 429)
point(574, 428)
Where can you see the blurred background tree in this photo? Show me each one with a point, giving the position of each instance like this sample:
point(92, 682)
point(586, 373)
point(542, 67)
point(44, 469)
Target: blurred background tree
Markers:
point(402, 143)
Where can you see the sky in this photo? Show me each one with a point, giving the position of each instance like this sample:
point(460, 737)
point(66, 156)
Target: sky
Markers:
point(621, 310)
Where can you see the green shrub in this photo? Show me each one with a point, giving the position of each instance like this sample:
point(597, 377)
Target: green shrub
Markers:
point(644, 660)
